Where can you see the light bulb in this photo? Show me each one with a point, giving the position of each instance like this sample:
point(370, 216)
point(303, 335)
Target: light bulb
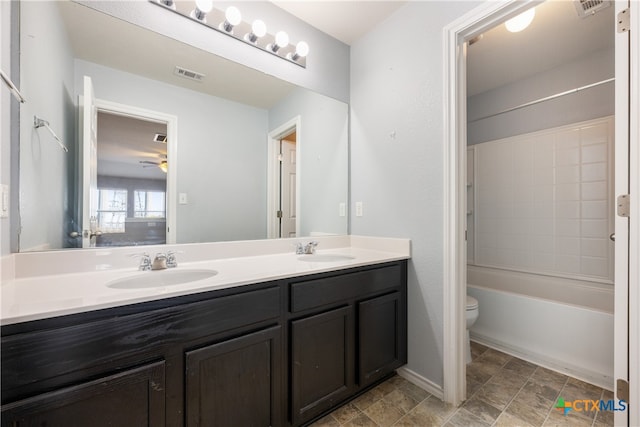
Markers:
point(233, 16)
point(521, 21)
point(202, 8)
point(302, 49)
point(282, 39)
point(168, 3)
point(259, 28)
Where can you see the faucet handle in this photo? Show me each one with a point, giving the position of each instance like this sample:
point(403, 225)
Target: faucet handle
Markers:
point(172, 261)
point(145, 261)
point(299, 248)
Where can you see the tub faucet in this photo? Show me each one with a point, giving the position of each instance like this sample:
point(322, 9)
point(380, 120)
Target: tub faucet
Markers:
point(309, 248)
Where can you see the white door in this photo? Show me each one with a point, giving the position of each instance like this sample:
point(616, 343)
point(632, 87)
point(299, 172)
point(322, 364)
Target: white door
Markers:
point(287, 188)
point(89, 156)
point(621, 268)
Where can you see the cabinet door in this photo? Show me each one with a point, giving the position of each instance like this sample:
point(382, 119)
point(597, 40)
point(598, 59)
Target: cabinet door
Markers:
point(322, 361)
point(235, 382)
point(382, 337)
point(132, 398)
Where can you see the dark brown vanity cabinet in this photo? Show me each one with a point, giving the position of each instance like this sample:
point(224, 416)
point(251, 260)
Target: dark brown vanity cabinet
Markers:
point(271, 354)
point(235, 382)
point(347, 332)
point(133, 397)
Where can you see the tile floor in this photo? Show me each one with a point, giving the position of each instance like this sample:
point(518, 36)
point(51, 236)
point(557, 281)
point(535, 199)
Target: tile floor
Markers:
point(501, 391)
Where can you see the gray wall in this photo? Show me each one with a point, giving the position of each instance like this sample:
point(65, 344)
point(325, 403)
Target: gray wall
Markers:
point(221, 153)
point(585, 105)
point(327, 69)
point(45, 169)
point(5, 119)
point(396, 156)
point(323, 144)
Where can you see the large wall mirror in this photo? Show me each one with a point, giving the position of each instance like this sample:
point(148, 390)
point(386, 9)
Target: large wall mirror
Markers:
point(166, 143)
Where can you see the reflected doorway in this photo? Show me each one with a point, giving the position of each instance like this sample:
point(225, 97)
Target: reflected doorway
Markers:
point(283, 180)
point(287, 186)
point(132, 181)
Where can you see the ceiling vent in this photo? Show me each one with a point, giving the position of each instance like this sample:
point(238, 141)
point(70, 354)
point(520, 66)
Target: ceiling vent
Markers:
point(160, 138)
point(188, 74)
point(586, 8)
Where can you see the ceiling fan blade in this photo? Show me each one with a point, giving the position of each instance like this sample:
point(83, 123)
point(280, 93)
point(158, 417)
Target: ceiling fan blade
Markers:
point(147, 162)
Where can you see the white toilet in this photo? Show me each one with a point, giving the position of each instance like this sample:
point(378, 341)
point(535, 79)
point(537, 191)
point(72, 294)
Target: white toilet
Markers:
point(471, 316)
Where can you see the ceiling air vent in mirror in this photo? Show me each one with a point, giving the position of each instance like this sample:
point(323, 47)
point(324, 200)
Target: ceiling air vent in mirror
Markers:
point(586, 8)
point(188, 74)
point(161, 138)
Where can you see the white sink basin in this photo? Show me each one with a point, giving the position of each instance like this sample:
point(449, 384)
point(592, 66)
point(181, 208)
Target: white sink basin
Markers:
point(325, 257)
point(159, 278)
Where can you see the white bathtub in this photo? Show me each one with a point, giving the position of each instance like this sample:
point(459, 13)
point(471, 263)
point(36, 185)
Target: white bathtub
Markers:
point(561, 324)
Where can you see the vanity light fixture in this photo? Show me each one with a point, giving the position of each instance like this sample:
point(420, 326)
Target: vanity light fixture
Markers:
point(521, 21)
point(258, 29)
point(232, 17)
point(202, 8)
point(229, 22)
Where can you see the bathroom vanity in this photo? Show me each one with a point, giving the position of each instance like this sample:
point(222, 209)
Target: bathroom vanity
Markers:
point(273, 353)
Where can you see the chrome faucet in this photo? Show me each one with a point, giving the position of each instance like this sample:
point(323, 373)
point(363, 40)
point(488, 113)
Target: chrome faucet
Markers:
point(309, 248)
point(159, 262)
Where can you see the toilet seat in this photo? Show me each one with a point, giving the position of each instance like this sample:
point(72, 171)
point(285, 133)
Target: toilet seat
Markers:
point(472, 303)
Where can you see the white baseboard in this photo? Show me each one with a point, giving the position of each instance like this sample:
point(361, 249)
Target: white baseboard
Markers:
point(421, 382)
point(604, 381)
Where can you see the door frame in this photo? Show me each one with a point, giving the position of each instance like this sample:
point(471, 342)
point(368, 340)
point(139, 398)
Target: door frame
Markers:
point(171, 122)
point(455, 36)
point(273, 177)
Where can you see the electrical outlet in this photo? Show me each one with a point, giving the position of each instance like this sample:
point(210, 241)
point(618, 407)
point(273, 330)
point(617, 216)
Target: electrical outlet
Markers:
point(182, 198)
point(358, 208)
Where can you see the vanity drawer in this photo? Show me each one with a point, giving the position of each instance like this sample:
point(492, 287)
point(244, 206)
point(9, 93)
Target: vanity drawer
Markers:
point(308, 294)
point(52, 357)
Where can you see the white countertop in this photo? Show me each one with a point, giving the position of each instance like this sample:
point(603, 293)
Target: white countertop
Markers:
point(43, 296)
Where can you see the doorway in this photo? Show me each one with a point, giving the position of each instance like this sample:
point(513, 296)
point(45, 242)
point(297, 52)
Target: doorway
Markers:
point(283, 180)
point(132, 181)
point(456, 36)
point(136, 176)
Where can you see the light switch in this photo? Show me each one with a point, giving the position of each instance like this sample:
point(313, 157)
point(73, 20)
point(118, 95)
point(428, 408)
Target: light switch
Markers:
point(182, 198)
point(358, 208)
point(4, 201)
point(342, 209)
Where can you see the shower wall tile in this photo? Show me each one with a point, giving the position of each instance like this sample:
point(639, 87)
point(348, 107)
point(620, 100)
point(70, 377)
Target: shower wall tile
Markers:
point(543, 201)
point(594, 172)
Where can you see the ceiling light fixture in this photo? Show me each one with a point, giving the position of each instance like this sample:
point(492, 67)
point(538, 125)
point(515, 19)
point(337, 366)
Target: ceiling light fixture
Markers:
point(202, 8)
point(229, 22)
point(164, 166)
point(521, 21)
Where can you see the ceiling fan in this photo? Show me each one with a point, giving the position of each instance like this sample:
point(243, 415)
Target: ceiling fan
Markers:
point(163, 165)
